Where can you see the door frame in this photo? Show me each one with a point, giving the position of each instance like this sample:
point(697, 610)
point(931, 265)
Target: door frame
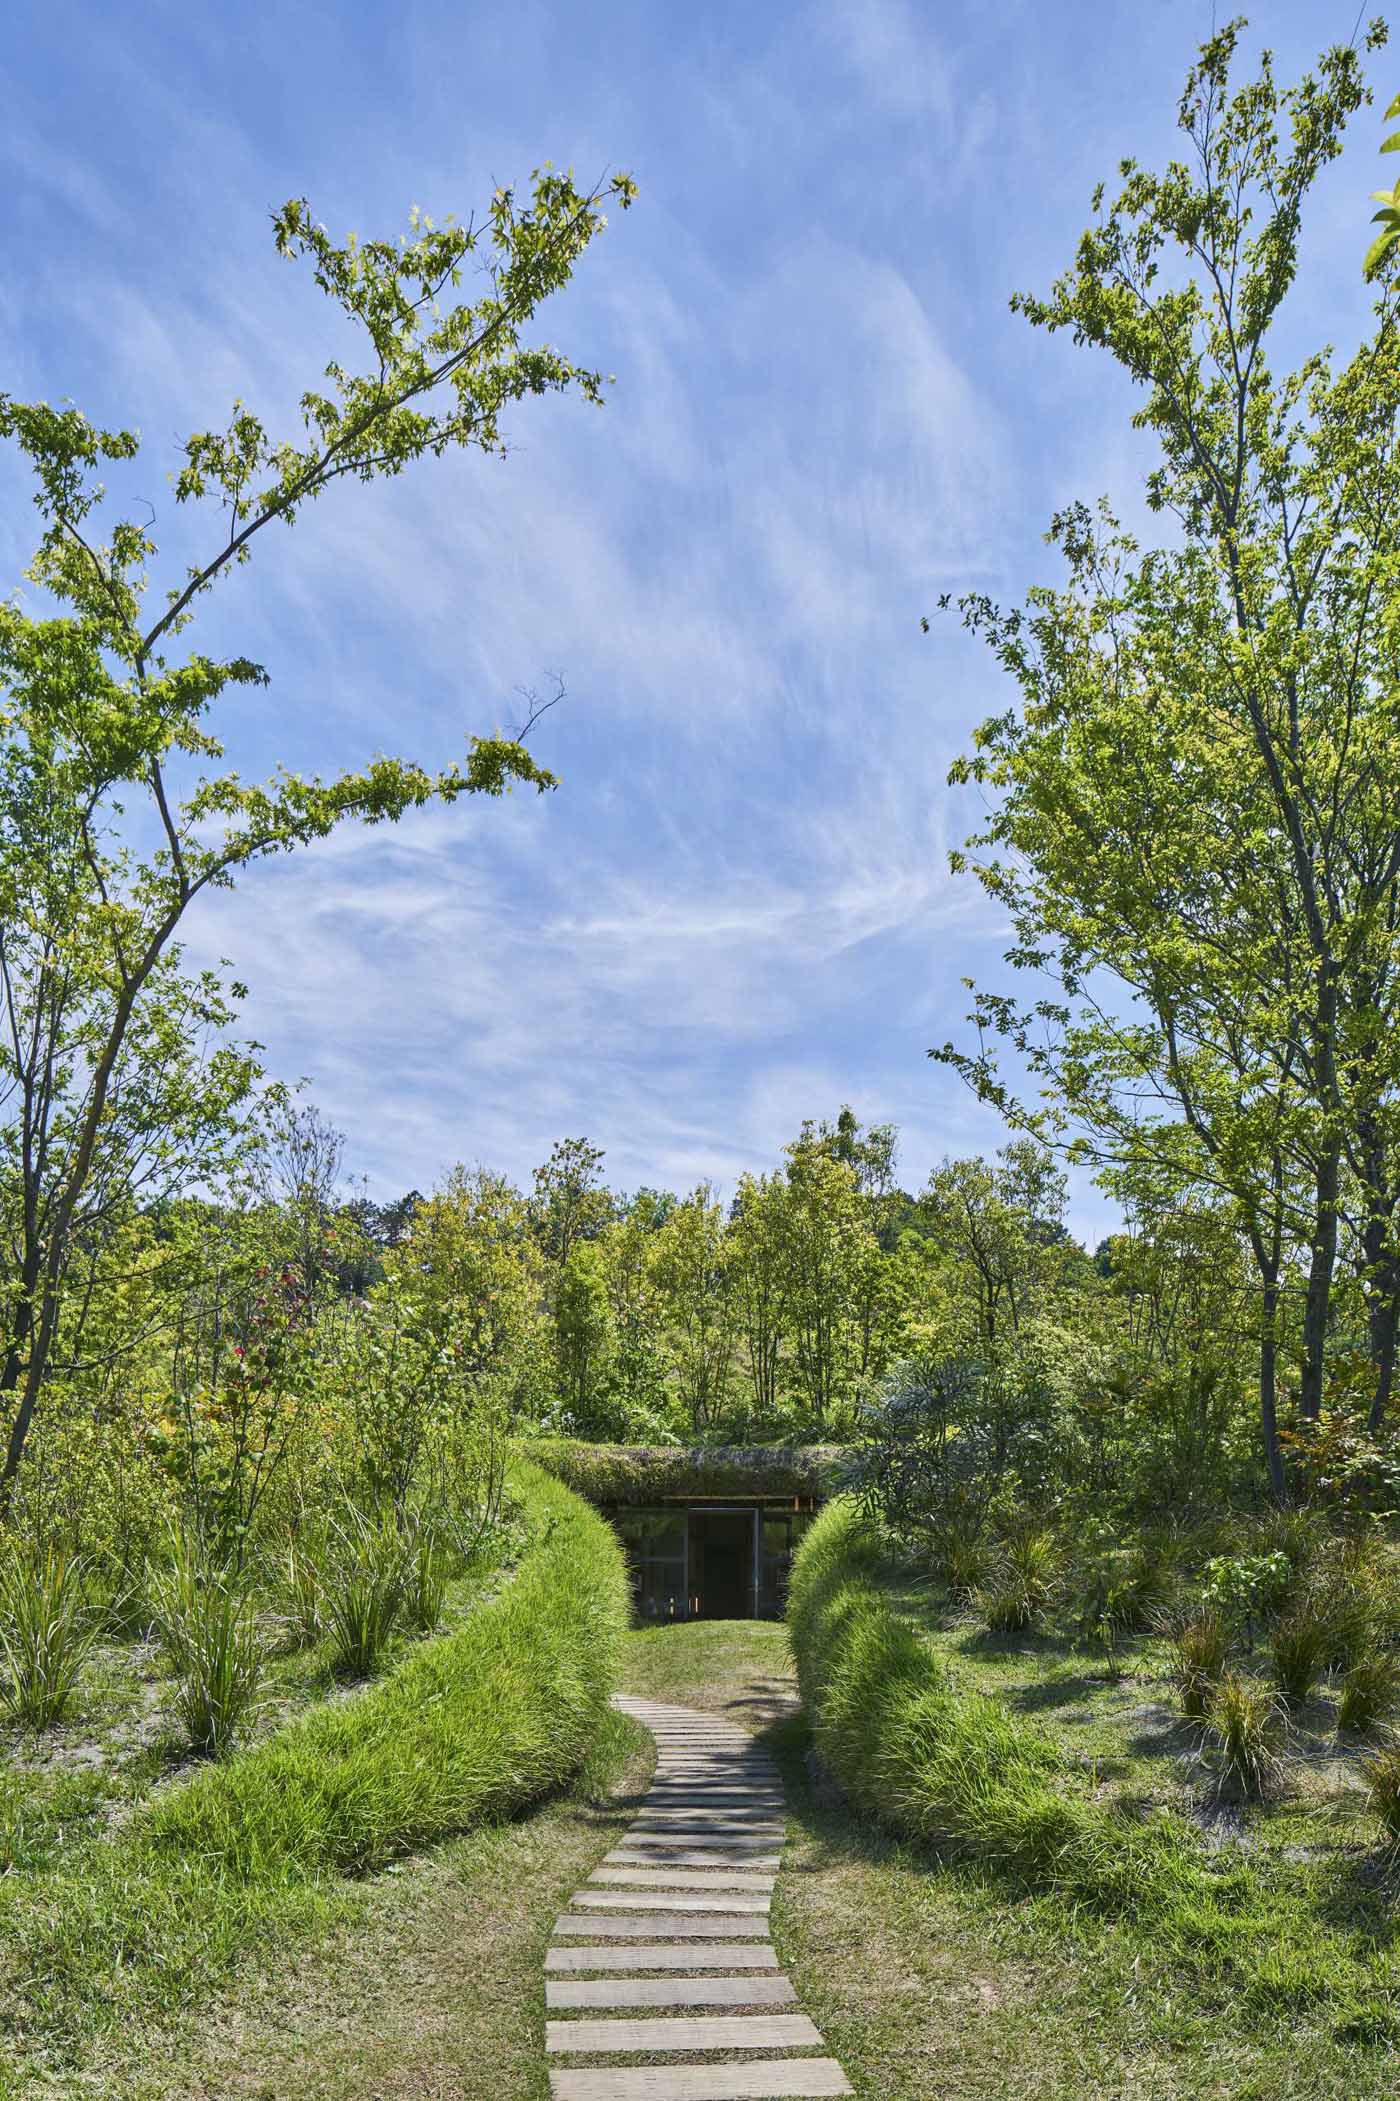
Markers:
point(749, 1510)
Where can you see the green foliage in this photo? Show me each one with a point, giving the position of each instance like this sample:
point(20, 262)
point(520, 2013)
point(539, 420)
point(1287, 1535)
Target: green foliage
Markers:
point(1240, 1587)
point(208, 1624)
point(1200, 1646)
point(46, 1630)
point(1240, 1733)
point(1383, 1781)
point(1369, 1692)
point(114, 1063)
point(1192, 797)
point(1388, 217)
point(472, 1726)
point(366, 1575)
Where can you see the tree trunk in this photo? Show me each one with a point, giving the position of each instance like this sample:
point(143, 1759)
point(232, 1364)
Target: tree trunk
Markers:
point(1268, 1389)
point(1317, 1305)
point(1383, 1318)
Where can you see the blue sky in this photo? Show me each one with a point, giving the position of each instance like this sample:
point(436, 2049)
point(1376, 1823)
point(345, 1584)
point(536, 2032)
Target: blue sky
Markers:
point(737, 910)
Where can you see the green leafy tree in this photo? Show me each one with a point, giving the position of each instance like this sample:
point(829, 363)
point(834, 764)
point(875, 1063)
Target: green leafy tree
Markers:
point(637, 1314)
point(692, 1277)
point(585, 1338)
point(1194, 832)
point(824, 1234)
point(571, 1202)
point(1000, 1228)
point(758, 1283)
point(107, 734)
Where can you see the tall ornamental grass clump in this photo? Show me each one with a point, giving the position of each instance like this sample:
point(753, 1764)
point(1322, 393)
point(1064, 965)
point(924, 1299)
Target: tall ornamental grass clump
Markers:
point(46, 1631)
point(1240, 1733)
point(1200, 1647)
point(364, 1589)
point(208, 1624)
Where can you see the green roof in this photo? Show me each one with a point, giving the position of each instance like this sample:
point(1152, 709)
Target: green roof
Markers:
point(649, 1473)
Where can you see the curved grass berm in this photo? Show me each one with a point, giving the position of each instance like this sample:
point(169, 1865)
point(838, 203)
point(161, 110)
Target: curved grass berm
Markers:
point(931, 1761)
point(471, 1727)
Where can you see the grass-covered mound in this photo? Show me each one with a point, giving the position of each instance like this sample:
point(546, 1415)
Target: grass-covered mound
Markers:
point(467, 1728)
point(639, 1474)
point(931, 1760)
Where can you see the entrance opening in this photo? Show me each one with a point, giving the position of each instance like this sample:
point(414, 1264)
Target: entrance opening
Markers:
point(721, 1564)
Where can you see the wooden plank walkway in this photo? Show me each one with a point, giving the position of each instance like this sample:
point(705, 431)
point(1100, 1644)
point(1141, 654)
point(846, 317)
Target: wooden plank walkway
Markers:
point(676, 1918)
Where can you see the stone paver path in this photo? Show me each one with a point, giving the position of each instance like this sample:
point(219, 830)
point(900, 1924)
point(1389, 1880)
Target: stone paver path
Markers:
point(665, 1953)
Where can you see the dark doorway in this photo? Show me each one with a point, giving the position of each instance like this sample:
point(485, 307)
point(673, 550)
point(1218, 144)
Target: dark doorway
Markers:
point(721, 1564)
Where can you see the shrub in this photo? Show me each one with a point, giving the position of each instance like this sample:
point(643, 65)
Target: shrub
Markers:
point(1303, 1640)
point(1370, 1690)
point(1383, 1779)
point(207, 1621)
point(46, 1631)
point(1240, 1728)
point(1244, 1587)
point(364, 1589)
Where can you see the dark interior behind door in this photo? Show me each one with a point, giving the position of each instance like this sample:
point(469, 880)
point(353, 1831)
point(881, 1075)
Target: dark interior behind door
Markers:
point(721, 1564)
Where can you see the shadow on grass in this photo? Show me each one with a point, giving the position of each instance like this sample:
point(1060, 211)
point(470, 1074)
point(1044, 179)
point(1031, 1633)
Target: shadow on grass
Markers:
point(768, 1702)
point(1030, 1641)
point(1056, 1692)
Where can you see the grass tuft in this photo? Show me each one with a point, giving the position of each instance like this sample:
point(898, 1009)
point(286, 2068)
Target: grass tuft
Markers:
point(1240, 1732)
point(208, 1626)
point(363, 1590)
point(1199, 1646)
point(1370, 1692)
point(46, 1631)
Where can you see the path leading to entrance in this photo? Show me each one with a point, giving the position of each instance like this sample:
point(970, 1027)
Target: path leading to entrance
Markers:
point(665, 1955)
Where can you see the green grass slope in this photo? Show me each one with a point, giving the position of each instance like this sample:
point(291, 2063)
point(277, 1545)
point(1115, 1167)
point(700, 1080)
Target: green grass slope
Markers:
point(932, 1761)
point(467, 1729)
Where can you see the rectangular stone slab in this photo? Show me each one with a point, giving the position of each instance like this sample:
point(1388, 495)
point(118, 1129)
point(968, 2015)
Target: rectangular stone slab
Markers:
point(743, 2031)
point(722, 1818)
point(671, 1900)
point(697, 1791)
point(783, 2079)
point(593, 1994)
point(707, 1876)
point(656, 1926)
point(743, 1853)
point(689, 1955)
